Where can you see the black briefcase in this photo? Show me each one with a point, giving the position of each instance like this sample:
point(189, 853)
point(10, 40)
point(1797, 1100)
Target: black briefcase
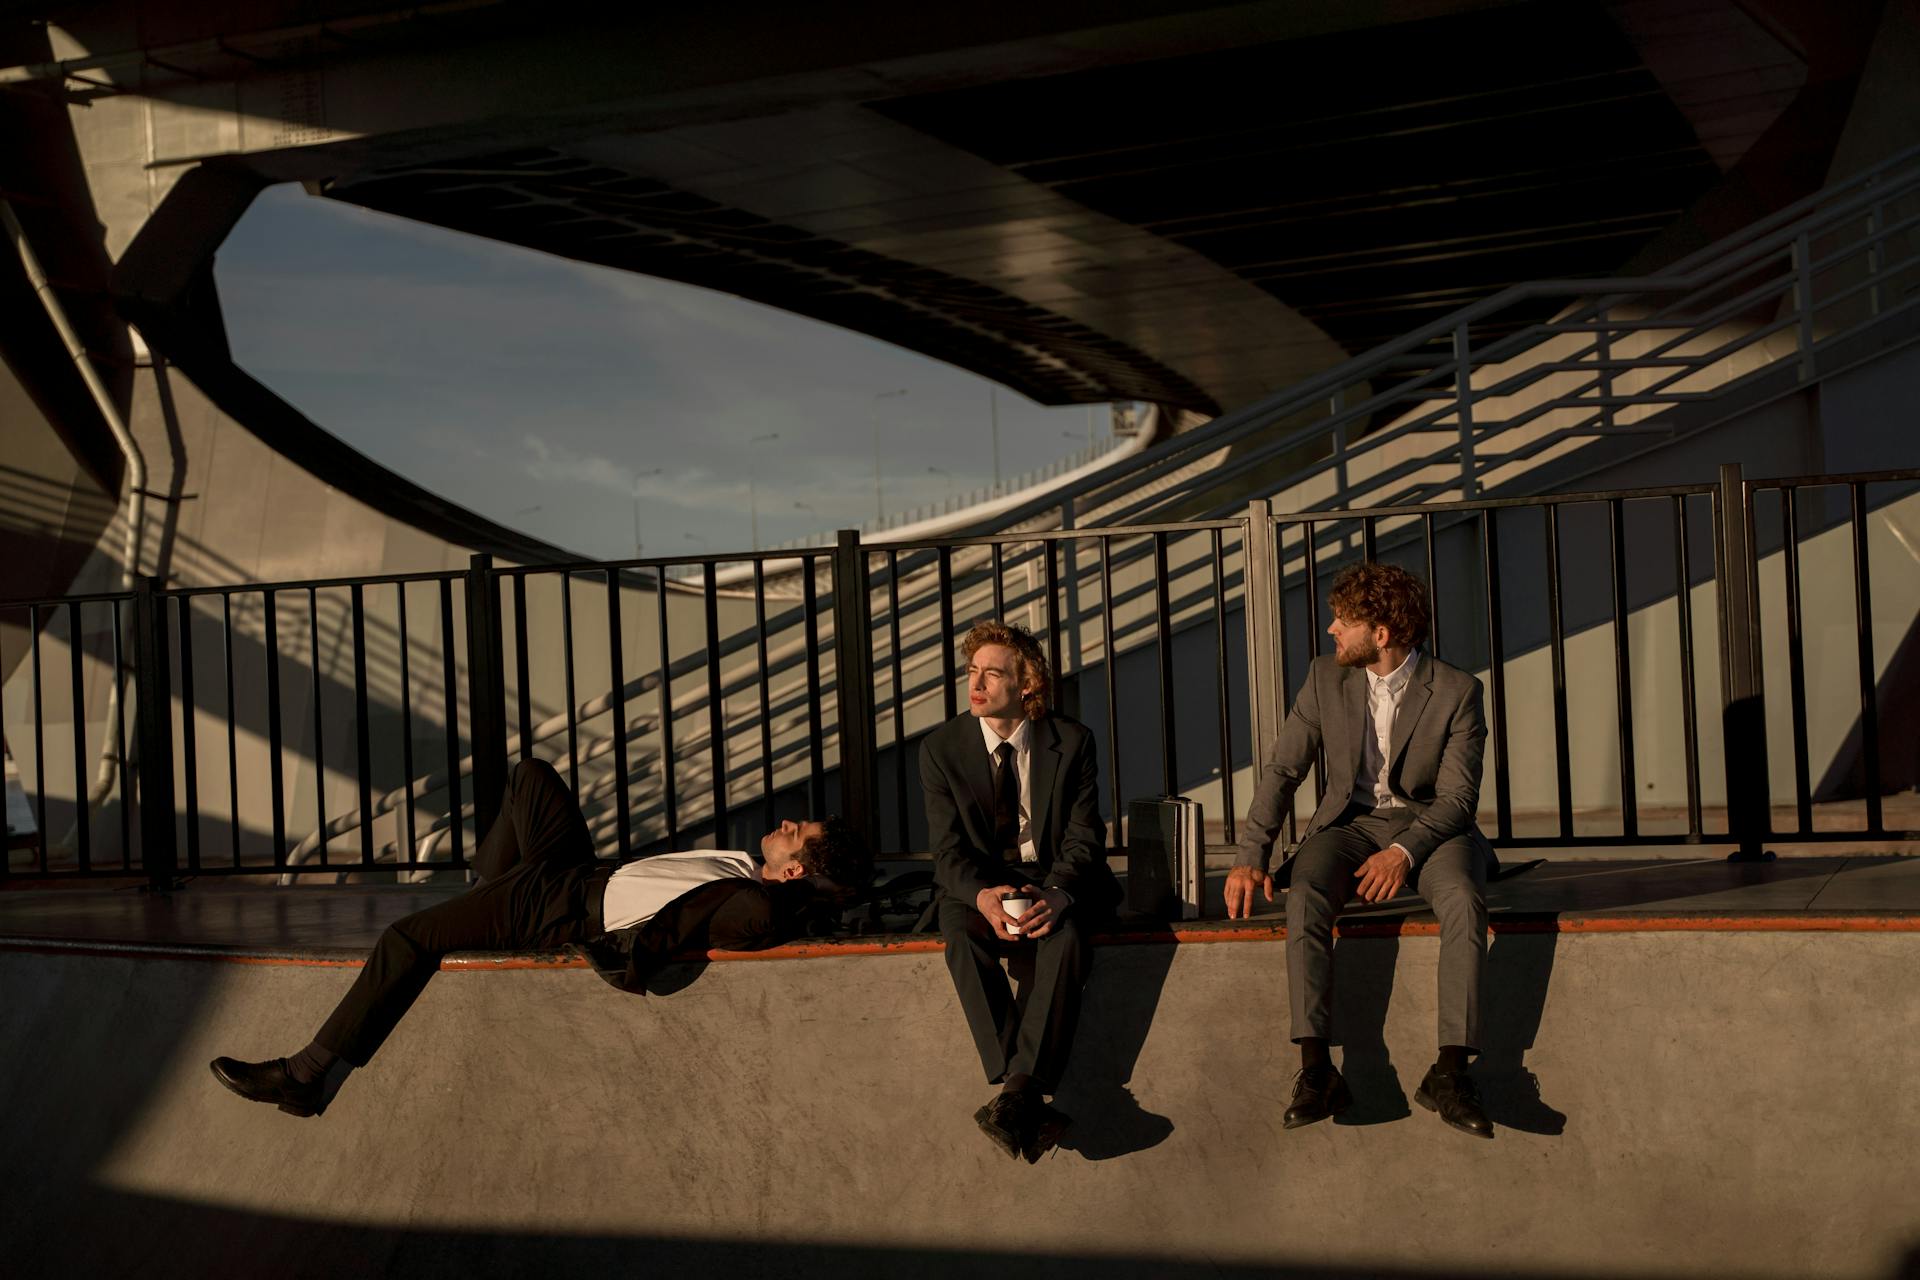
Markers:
point(1166, 858)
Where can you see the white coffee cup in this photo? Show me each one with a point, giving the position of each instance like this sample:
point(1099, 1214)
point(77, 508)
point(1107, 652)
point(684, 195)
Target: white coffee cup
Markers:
point(1016, 904)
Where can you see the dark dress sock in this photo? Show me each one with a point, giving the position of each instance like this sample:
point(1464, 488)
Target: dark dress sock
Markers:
point(1020, 1083)
point(1453, 1058)
point(1314, 1052)
point(312, 1063)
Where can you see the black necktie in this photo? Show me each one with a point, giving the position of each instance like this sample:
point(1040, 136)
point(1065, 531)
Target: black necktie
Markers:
point(1006, 803)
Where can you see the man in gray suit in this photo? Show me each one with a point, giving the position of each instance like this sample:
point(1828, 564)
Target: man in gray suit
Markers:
point(1403, 734)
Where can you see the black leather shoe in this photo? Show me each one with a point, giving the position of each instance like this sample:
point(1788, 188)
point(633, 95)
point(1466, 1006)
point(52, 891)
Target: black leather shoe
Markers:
point(271, 1082)
point(1008, 1121)
point(1318, 1092)
point(1454, 1096)
point(1048, 1125)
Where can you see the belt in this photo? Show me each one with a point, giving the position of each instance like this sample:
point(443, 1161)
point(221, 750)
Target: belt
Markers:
point(596, 899)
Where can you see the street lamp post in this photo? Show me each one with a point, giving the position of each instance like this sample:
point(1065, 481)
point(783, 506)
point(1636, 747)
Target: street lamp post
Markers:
point(753, 503)
point(879, 504)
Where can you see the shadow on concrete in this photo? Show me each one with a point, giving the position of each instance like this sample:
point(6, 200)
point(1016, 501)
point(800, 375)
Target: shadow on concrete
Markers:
point(1121, 999)
point(1363, 987)
point(207, 1241)
point(1519, 969)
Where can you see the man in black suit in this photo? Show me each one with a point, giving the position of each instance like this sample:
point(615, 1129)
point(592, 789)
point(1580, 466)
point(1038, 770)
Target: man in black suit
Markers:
point(1012, 801)
point(1402, 734)
point(540, 887)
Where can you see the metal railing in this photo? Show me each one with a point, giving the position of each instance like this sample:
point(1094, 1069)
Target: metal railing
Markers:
point(1138, 620)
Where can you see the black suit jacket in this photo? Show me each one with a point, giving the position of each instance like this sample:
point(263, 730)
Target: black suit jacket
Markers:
point(726, 915)
point(957, 775)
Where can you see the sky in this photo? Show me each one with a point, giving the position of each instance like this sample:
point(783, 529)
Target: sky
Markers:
point(544, 393)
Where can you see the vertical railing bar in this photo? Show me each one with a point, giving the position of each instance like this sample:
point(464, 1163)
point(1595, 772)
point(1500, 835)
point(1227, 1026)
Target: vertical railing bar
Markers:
point(1433, 588)
point(1863, 628)
point(898, 673)
point(1689, 726)
point(947, 638)
point(1116, 835)
point(1313, 641)
point(77, 691)
point(1163, 644)
point(406, 725)
point(520, 665)
point(1220, 681)
point(567, 674)
point(1369, 539)
point(39, 734)
point(1276, 570)
point(1796, 660)
point(766, 693)
point(816, 749)
point(276, 766)
point(120, 735)
point(1562, 755)
point(451, 693)
point(1048, 549)
point(999, 586)
point(1496, 677)
point(189, 732)
point(716, 710)
point(1622, 667)
point(617, 712)
point(319, 733)
point(363, 735)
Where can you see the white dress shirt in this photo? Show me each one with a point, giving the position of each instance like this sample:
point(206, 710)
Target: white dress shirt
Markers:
point(1022, 743)
point(1384, 696)
point(638, 890)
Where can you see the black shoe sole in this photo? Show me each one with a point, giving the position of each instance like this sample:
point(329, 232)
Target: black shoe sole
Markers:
point(291, 1108)
point(1425, 1099)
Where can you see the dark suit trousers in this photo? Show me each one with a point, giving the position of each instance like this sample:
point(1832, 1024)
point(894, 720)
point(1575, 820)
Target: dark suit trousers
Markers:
point(539, 888)
point(1032, 1035)
point(1453, 882)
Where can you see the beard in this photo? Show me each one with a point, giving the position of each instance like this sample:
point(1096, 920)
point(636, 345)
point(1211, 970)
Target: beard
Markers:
point(1361, 653)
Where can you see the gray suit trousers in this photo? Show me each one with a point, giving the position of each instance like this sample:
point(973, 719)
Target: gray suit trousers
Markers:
point(1453, 883)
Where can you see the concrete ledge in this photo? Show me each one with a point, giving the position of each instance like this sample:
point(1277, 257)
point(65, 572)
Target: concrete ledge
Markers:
point(1186, 934)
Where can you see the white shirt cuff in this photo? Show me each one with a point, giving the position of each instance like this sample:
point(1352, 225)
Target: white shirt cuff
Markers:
point(1403, 849)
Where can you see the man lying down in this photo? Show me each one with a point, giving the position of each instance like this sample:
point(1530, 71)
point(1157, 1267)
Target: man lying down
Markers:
point(540, 889)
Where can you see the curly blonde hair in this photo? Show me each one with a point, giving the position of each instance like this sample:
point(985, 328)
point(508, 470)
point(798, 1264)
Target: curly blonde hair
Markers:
point(1030, 661)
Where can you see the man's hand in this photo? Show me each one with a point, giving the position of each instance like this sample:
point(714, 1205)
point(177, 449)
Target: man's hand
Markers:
point(988, 905)
point(1048, 906)
point(1382, 875)
point(1241, 884)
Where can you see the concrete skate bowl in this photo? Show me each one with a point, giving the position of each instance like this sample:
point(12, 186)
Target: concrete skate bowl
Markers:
point(1675, 1095)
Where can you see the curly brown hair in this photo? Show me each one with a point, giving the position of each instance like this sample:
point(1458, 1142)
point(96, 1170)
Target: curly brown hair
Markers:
point(839, 853)
point(1383, 595)
point(1030, 661)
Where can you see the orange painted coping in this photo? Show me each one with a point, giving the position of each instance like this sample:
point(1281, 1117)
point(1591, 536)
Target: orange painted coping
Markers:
point(1196, 932)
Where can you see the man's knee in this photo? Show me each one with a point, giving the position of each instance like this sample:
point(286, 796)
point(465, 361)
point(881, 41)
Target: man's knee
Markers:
point(534, 773)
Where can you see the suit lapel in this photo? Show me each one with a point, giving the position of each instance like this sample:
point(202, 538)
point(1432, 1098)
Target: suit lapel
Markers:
point(1044, 766)
point(1411, 705)
point(1353, 698)
point(975, 765)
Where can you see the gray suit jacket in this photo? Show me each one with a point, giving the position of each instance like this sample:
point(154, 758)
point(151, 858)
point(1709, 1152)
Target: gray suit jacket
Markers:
point(1433, 766)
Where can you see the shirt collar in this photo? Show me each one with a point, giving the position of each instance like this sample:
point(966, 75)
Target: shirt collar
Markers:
point(993, 740)
point(1399, 677)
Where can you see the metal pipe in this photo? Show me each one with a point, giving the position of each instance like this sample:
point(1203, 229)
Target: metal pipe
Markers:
point(136, 481)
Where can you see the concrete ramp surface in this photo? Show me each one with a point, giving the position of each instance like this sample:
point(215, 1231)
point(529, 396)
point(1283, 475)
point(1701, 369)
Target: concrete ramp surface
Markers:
point(1685, 1102)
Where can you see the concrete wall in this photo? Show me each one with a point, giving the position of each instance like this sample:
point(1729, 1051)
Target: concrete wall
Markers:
point(797, 1117)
